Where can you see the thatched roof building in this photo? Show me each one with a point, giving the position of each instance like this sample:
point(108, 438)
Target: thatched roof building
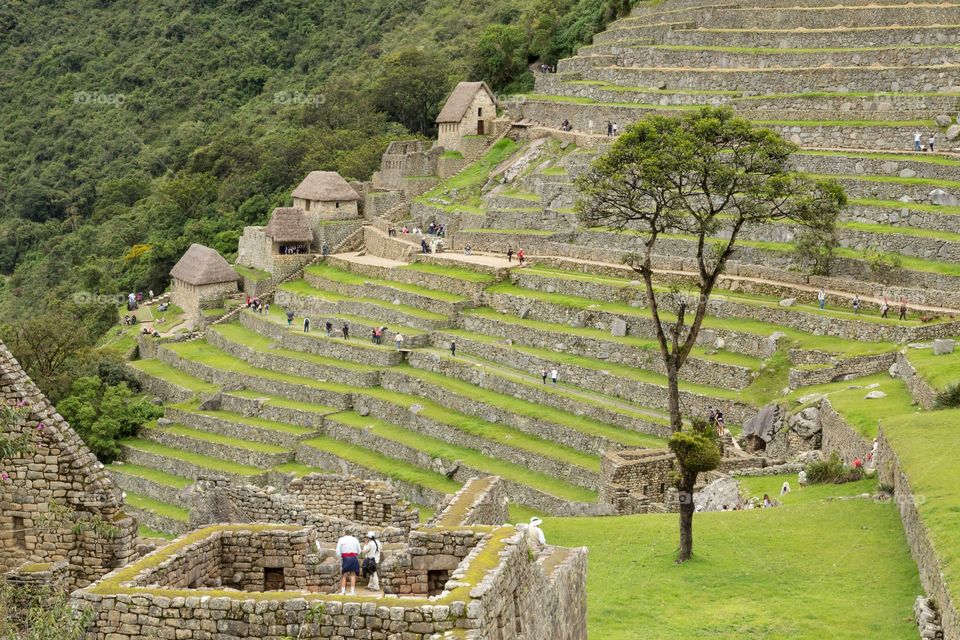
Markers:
point(288, 224)
point(462, 97)
point(201, 266)
point(325, 186)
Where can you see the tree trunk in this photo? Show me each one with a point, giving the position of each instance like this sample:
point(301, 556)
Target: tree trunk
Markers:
point(673, 398)
point(688, 479)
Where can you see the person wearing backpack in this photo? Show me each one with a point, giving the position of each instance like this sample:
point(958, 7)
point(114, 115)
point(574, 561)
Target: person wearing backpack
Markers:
point(371, 561)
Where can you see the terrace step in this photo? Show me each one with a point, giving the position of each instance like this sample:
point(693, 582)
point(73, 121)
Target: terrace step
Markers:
point(160, 516)
point(904, 214)
point(169, 383)
point(214, 445)
point(309, 300)
point(523, 485)
point(456, 282)
point(148, 482)
point(240, 426)
point(293, 414)
point(187, 464)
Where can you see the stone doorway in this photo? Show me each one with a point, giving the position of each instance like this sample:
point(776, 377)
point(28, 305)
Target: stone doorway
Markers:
point(273, 579)
point(436, 580)
point(480, 127)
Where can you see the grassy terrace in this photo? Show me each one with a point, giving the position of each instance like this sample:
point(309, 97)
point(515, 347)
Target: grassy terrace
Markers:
point(439, 449)
point(334, 274)
point(303, 288)
point(284, 403)
point(512, 232)
point(449, 271)
point(938, 371)
point(848, 399)
point(165, 372)
point(926, 446)
point(207, 462)
point(930, 158)
point(913, 232)
point(256, 275)
point(912, 206)
point(252, 421)
point(240, 334)
point(734, 582)
point(156, 506)
point(468, 183)
point(216, 438)
point(153, 475)
point(383, 465)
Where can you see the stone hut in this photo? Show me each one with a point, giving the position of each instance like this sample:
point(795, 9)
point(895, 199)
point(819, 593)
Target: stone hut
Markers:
point(289, 232)
point(62, 521)
point(201, 280)
point(325, 195)
point(469, 111)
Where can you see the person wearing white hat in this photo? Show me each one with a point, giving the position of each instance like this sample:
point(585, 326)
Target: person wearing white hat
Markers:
point(371, 561)
point(535, 537)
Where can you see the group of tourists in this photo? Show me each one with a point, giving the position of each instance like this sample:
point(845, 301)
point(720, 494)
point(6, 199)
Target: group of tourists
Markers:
point(715, 419)
point(553, 373)
point(857, 304)
point(293, 249)
point(548, 68)
point(263, 307)
point(613, 129)
point(920, 145)
point(566, 126)
point(348, 551)
point(521, 256)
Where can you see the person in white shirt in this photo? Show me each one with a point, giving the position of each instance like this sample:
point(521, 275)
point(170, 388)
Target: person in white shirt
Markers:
point(399, 340)
point(348, 549)
point(553, 375)
point(802, 478)
point(371, 551)
point(535, 537)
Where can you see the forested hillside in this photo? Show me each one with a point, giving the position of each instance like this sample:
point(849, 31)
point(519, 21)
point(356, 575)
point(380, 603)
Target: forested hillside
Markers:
point(130, 129)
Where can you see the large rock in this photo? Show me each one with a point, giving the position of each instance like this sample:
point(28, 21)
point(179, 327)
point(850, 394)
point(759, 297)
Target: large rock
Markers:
point(942, 347)
point(953, 132)
point(944, 199)
point(875, 395)
point(618, 328)
point(943, 120)
point(719, 493)
point(788, 302)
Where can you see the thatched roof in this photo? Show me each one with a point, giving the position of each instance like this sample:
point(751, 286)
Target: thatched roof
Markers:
point(202, 265)
point(460, 100)
point(288, 224)
point(325, 186)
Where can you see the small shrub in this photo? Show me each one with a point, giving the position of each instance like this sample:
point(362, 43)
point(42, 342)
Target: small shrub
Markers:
point(948, 398)
point(831, 471)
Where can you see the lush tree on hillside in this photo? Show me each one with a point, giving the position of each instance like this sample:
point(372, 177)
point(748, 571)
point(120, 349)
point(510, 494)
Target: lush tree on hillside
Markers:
point(710, 176)
point(411, 85)
point(500, 55)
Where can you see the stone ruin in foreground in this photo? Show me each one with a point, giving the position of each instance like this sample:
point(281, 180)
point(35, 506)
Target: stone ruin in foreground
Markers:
point(462, 575)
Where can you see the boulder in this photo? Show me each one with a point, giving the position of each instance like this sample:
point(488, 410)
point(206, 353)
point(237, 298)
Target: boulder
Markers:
point(788, 302)
point(944, 199)
point(618, 328)
point(875, 395)
point(894, 371)
point(953, 132)
point(719, 493)
point(942, 347)
point(943, 120)
point(908, 173)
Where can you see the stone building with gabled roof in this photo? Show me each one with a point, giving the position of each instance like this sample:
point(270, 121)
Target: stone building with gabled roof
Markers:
point(325, 195)
point(469, 111)
point(289, 231)
point(201, 280)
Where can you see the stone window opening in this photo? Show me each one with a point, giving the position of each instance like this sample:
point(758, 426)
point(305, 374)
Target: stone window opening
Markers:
point(663, 488)
point(479, 112)
point(273, 579)
point(518, 626)
point(436, 581)
point(307, 206)
point(386, 513)
point(19, 533)
point(358, 510)
point(336, 205)
point(646, 489)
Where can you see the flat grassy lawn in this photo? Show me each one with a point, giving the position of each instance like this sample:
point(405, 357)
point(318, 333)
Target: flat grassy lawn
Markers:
point(848, 399)
point(451, 271)
point(165, 372)
point(938, 371)
point(811, 569)
point(926, 445)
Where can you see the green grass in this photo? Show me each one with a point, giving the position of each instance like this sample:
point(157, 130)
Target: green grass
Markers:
point(298, 468)
point(253, 421)
point(935, 183)
point(451, 155)
point(303, 288)
point(164, 509)
point(154, 475)
point(216, 438)
point(383, 465)
point(352, 279)
point(912, 206)
point(256, 275)
point(467, 183)
point(438, 449)
point(788, 51)
point(165, 372)
point(930, 158)
point(207, 462)
point(938, 371)
point(809, 570)
point(554, 171)
point(240, 334)
point(926, 446)
point(512, 232)
point(146, 532)
point(914, 232)
point(606, 86)
point(848, 399)
point(284, 403)
point(451, 271)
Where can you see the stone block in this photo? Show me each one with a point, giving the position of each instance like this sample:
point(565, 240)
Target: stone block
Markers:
point(618, 328)
point(942, 347)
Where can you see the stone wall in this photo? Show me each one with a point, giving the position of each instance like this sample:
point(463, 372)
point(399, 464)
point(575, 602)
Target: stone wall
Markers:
point(638, 480)
point(481, 501)
point(923, 393)
point(255, 249)
point(55, 465)
point(318, 307)
point(848, 368)
point(840, 437)
point(378, 243)
point(192, 298)
point(437, 281)
point(919, 538)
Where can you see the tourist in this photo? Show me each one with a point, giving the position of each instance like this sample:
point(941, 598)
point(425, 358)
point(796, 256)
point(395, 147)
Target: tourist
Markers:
point(442, 231)
point(325, 249)
point(767, 502)
point(431, 228)
point(346, 331)
point(785, 489)
point(306, 325)
point(616, 129)
point(884, 307)
point(265, 308)
point(509, 254)
point(329, 327)
point(822, 298)
point(802, 478)
point(392, 232)
point(249, 302)
point(543, 374)
point(931, 140)
point(535, 537)
point(371, 561)
point(150, 293)
point(466, 250)
point(453, 348)
point(609, 129)
point(857, 464)
point(404, 230)
point(521, 256)
point(718, 418)
point(553, 375)
point(903, 307)
point(423, 246)
point(856, 304)
point(375, 334)
point(916, 141)
point(399, 340)
point(348, 548)
point(289, 317)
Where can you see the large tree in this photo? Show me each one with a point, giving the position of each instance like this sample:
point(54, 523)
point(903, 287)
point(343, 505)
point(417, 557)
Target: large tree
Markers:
point(707, 176)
